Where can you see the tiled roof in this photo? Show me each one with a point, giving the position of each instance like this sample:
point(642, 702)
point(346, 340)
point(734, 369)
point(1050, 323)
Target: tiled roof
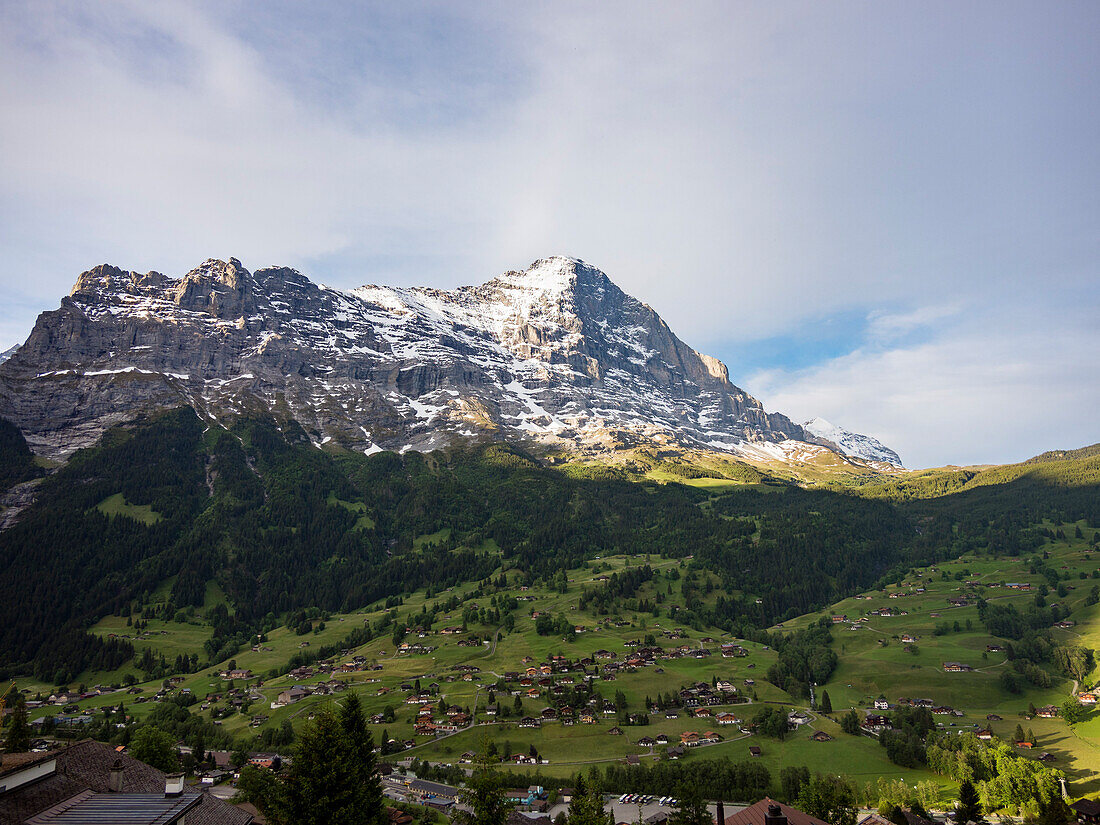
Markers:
point(754, 815)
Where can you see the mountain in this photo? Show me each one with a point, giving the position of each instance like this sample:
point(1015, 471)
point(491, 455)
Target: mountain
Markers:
point(853, 444)
point(8, 353)
point(555, 354)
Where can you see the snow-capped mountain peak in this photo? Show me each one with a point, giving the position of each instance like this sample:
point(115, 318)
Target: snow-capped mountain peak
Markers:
point(556, 354)
point(852, 444)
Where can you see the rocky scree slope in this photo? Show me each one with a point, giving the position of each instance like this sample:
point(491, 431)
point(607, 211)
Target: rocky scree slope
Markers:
point(557, 354)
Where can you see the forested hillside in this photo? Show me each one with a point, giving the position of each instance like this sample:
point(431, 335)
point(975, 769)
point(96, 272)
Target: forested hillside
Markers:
point(279, 524)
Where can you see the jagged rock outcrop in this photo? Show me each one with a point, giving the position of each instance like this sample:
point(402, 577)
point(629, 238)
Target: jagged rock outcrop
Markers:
point(556, 353)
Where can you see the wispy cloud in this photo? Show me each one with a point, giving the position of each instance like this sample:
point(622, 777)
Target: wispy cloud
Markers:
point(992, 388)
point(750, 170)
point(888, 327)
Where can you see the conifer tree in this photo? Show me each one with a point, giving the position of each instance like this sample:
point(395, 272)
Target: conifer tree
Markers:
point(18, 738)
point(969, 807)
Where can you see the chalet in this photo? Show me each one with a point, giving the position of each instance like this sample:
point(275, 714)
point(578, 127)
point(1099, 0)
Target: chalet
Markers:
point(754, 750)
point(676, 752)
point(821, 736)
point(994, 648)
point(882, 704)
point(616, 731)
point(1023, 743)
point(839, 619)
point(529, 722)
point(292, 695)
point(985, 734)
point(1047, 712)
point(956, 667)
point(1046, 757)
point(662, 739)
point(727, 719)
point(1065, 624)
point(1087, 698)
point(1087, 811)
point(875, 724)
point(992, 717)
point(908, 639)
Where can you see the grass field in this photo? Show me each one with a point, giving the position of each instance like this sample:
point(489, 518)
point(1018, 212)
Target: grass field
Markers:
point(117, 505)
point(873, 661)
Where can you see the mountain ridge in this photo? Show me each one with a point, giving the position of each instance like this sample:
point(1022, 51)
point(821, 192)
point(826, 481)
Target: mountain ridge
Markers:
point(852, 444)
point(555, 354)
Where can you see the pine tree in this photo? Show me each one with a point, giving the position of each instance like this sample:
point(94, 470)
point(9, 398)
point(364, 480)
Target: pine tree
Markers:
point(586, 807)
point(826, 702)
point(326, 784)
point(1019, 733)
point(18, 738)
point(969, 807)
point(360, 745)
point(484, 796)
point(692, 810)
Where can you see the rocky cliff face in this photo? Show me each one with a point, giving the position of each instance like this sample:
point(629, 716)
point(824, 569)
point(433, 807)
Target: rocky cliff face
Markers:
point(556, 353)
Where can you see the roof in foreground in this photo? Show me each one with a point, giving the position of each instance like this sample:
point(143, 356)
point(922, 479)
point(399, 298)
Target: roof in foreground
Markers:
point(86, 766)
point(754, 815)
point(90, 808)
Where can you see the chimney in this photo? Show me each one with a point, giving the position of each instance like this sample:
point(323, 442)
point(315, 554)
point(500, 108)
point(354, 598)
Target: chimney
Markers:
point(114, 778)
point(774, 816)
point(721, 814)
point(173, 784)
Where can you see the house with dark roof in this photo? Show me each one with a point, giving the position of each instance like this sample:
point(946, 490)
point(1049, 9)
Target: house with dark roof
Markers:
point(769, 812)
point(1087, 810)
point(91, 782)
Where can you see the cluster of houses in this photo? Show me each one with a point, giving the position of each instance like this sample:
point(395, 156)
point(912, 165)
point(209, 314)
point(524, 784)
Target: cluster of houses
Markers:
point(449, 720)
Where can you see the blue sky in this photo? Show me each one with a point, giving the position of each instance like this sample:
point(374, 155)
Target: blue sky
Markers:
point(887, 215)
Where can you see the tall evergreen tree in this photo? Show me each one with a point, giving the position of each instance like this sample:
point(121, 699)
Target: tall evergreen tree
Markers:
point(484, 795)
point(693, 809)
point(587, 806)
point(18, 738)
point(361, 759)
point(826, 702)
point(326, 785)
point(969, 807)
